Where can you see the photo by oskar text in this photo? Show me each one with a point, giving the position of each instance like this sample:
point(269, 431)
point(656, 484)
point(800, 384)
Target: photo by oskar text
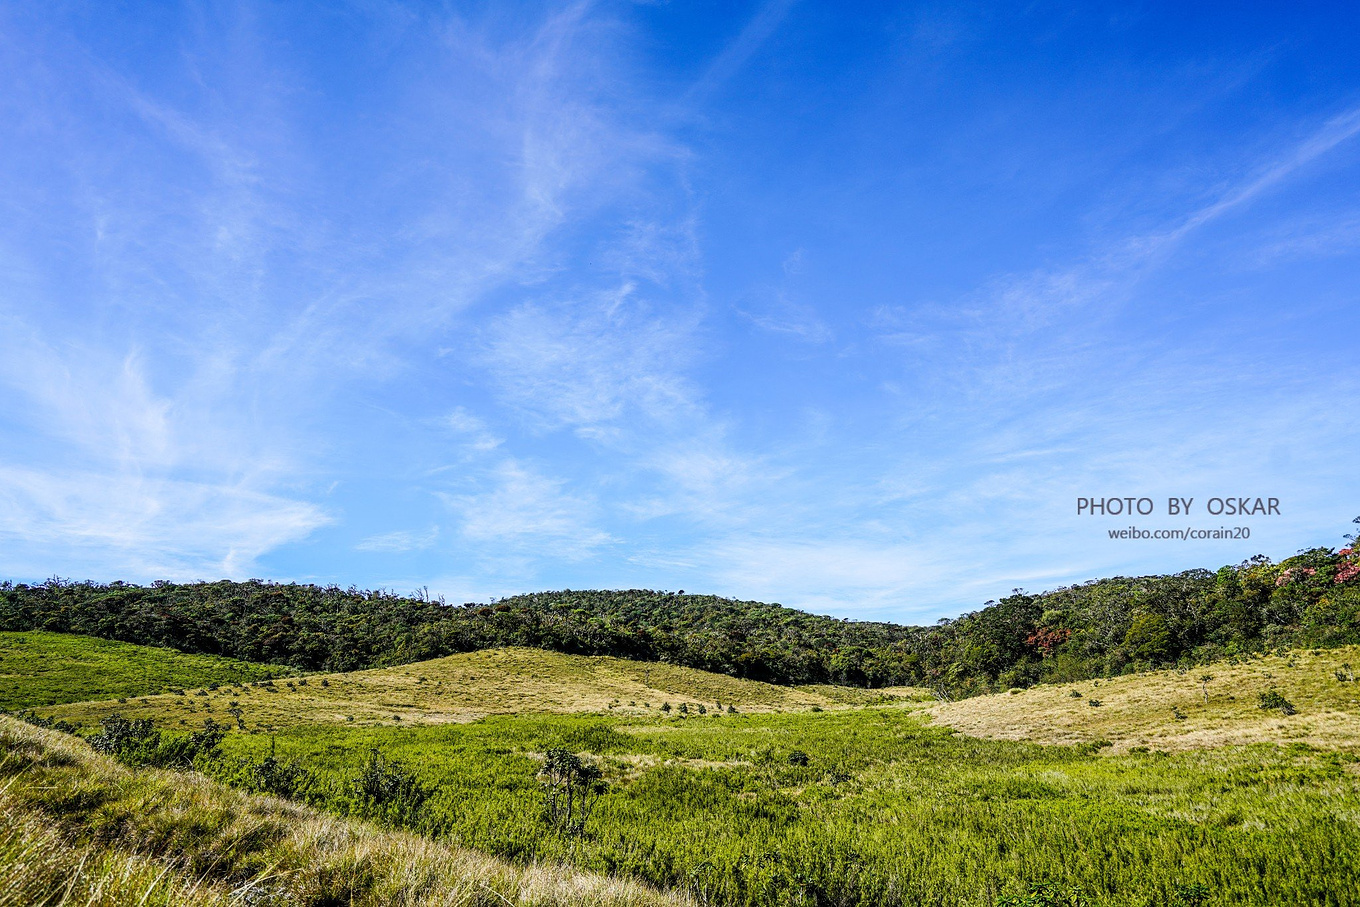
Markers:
point(1177, 506)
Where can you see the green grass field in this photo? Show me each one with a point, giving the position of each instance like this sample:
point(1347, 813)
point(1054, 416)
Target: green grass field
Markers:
point(79, 830)
point(823, 796)
point(44, 669)
point(886, 811)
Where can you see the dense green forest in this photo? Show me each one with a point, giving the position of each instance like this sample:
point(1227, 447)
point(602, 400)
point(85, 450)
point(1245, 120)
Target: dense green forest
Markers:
point(1099, 628)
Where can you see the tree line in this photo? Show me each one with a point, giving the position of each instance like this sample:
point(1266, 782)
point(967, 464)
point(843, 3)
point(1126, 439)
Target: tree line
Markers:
point(1099, 628)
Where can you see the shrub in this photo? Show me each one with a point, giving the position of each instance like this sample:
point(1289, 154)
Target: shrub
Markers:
point(1189, 895)
point(571, 789)
point(386, 789)
point(1273, 700)
point(33, 718)
point(137, 743)
point(1044, 894)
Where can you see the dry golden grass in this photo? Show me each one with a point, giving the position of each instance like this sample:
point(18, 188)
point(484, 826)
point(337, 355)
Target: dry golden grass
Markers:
point(1138, 709)
point(178, 838)
point(457, 688)
point(859, 696)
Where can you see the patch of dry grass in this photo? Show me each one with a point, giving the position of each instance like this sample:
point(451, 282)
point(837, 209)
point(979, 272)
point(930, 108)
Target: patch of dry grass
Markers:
point(1141, 709)
point(454, 689)
point(77, 828)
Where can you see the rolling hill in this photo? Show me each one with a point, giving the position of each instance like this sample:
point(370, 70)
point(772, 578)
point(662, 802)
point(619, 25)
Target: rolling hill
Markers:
point(820, 795)
point(457, 688)
point(43, 669)
point(1173, 710)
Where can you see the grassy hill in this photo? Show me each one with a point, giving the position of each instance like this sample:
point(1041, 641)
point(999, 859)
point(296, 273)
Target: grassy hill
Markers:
point(78, 829)
point(1177, 710)
point(454, 689)
point(43, 669)
point(819, 796)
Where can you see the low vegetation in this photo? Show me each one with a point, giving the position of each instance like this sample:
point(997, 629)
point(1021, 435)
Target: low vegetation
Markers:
point(42, 669)
point(857, 804)
point(78, 829)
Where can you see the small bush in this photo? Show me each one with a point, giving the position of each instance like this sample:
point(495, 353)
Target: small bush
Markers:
point(571, 789)
point(1189, 895)
point(386, 789)
point(1273, 700)
point(1043, 894)
point(137, 743)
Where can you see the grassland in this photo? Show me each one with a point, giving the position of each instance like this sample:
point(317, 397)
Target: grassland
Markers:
point(77, 829)
point(44, 669)
point(825, 796)
point(1140, 710)
point(873, 807)
point(462, 688)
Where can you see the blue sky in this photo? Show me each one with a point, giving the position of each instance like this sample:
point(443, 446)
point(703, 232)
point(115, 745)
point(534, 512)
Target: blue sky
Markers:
point(836, 305)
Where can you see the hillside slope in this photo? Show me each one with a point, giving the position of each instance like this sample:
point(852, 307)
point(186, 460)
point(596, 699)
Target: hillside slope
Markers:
point(1178, 710)
point(42, 669)
point(177, 838)
point(458, 688)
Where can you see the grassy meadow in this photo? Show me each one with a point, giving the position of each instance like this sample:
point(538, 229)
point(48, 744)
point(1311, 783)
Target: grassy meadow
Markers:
point(461, 688)
point(43, 669)
point(76, 828)
point(1180, 710)
point(801, 796)
point(872, 806)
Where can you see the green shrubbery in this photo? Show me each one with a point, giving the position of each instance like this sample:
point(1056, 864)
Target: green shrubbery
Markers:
point(138, 743)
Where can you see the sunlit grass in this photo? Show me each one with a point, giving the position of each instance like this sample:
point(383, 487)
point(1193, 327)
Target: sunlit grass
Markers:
point(41, 669)
point(77, 829)
point(1142, 709)
point(459, 688)
point(824, 796)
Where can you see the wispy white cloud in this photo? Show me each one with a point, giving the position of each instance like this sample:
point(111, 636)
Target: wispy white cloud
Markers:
point(524, 508)
point(773, 311)
point(400, 541)
point(735, 55)
point(589, 366)
point(141, 527)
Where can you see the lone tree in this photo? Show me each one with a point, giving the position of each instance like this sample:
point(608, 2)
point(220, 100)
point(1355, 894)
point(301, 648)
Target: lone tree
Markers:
point(1204, 684)
point(571, 789)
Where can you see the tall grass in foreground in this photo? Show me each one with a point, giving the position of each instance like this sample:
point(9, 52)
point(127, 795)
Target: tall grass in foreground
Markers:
point(41, 866)
point(77, 829)
point(870, 808)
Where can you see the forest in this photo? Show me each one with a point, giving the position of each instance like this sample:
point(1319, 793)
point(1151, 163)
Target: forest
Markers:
point(1100, 628)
